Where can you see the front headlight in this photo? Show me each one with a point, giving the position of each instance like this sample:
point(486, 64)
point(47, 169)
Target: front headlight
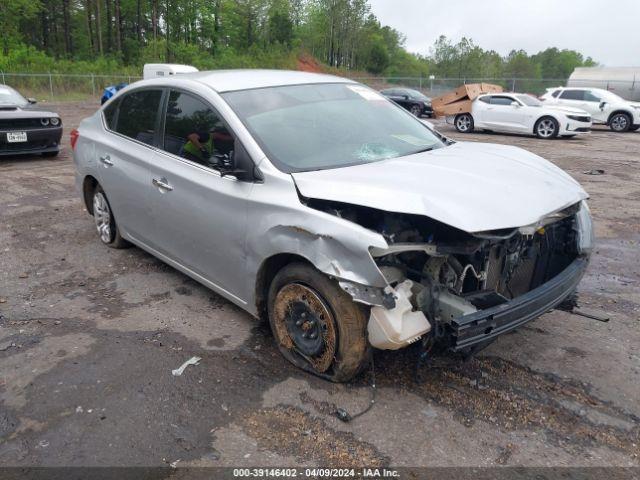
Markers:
point(579, 118)
point(55, 121)
point(585, 228)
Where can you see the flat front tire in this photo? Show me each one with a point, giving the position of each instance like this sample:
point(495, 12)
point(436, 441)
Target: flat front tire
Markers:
point(316, 325)
point(464, 123)
point(105, 222)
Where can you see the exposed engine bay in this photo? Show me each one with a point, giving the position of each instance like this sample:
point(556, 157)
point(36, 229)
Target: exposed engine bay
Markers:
point(439, 273)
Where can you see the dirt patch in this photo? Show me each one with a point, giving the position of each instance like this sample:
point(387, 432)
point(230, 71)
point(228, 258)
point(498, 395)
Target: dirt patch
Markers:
point(291, 431)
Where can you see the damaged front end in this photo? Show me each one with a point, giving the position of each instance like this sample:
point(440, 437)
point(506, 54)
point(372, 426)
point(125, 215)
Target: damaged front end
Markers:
point(464, 289)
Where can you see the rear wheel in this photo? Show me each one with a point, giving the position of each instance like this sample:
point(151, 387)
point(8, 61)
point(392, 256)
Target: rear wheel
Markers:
point(546, 128)
point(620, 122)
point(317, 326)
point(416, 110)
point(464, 123)
point(105, 222)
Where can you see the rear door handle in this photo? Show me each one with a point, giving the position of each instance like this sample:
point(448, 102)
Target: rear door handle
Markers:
point(106, 159)
point(162, 183)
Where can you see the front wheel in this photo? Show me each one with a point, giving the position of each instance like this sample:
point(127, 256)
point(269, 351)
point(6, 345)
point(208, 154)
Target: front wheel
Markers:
point(546, 128)
point(416, 110)
point(464, 123)
point(620, 122)
point(317, 326)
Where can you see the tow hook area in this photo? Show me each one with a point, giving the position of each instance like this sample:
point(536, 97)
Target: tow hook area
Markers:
point(391, 329)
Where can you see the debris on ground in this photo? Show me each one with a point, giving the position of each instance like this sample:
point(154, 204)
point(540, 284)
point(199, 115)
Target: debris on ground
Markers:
point(595, 171)
point(192, 361)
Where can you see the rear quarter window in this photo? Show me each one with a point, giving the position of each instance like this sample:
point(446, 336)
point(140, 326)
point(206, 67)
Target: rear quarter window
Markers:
point(110, 113)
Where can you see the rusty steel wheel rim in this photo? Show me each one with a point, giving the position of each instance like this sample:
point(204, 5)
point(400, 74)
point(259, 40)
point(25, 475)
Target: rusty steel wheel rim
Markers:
point(305, 325)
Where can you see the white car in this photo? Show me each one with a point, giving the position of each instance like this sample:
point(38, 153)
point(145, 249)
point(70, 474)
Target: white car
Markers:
point(605, 107)
point(521, 113)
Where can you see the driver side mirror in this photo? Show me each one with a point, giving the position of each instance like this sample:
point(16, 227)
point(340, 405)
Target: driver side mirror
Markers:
point(602, 104)
point(238, 164)
point(32, 100)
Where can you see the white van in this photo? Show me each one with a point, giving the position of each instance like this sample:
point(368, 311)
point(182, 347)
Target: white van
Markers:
point(155, 70)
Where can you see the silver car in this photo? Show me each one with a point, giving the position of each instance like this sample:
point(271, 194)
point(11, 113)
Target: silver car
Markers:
point(316, 202)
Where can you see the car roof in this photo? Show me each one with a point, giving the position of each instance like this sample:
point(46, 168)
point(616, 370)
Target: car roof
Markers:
point(234, 80)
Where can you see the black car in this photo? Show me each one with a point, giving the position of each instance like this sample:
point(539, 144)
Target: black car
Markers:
point(25, 128)
point(414, 101)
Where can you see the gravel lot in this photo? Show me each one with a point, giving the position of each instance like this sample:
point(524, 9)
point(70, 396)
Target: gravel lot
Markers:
point(89, 336)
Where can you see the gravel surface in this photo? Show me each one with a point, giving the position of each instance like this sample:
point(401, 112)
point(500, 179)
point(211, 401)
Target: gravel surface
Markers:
point(89, 336)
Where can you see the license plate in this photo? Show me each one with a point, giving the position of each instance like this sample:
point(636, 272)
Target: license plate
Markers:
point(14, 137)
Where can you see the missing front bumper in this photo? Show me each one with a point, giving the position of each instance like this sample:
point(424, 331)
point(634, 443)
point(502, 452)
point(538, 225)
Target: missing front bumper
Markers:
point(485, 325)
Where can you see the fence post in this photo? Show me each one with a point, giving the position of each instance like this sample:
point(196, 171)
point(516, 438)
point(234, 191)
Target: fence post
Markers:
point(513, 84)
point(51, 86)
point(420, 81)
point(3, 81)
point(93, 84)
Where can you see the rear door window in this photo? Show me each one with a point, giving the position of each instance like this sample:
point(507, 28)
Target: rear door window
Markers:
point(193, 130)
point(572, 95)
point(138, 115)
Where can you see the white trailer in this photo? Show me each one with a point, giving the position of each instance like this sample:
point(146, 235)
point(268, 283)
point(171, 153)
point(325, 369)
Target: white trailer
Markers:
point(154, 70)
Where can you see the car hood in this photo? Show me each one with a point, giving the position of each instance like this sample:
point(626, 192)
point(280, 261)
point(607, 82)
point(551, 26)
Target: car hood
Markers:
point(567, 110)
point(471, 186)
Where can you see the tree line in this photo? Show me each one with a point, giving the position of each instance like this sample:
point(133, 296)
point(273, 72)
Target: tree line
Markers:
point(103, 35)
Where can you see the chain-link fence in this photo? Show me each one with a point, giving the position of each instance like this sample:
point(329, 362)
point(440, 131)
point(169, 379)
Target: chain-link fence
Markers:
point(56, 87)
point(434, 87)
point(68, 87)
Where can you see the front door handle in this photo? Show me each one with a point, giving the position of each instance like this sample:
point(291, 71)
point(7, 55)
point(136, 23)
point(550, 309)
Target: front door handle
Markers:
point(162, 184)
point(106, 159)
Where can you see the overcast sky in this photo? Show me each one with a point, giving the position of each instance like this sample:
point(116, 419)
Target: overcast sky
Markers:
point(607, 31)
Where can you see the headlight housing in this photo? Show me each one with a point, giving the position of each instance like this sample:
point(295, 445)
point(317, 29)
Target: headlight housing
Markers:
point(55, 121)
point(584, 224)
point(579, 118)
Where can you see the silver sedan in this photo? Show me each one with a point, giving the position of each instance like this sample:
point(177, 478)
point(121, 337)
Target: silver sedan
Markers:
point(317, 203)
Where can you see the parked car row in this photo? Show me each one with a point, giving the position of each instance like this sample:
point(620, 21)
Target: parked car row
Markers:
point(560, 112)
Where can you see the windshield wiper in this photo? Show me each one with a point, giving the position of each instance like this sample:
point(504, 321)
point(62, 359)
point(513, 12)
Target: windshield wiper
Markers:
point(426, 149)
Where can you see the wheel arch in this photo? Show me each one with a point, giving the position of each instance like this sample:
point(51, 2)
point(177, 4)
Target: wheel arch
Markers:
point(620, 110)
point(267, 271)
point(89, 185)
point(542, 117)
